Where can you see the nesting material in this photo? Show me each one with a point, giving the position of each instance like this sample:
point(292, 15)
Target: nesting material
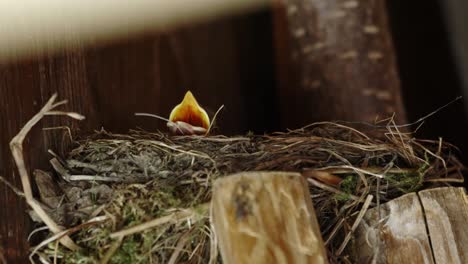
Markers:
point(143, 197)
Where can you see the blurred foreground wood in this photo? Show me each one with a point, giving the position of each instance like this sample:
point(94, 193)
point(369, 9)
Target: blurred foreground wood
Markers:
point(266, 217)
point(416, 228)
point(31, 28)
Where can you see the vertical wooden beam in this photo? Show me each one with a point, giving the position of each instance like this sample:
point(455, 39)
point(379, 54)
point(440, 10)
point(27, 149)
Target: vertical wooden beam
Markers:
point(335, 61)
point(266, 217)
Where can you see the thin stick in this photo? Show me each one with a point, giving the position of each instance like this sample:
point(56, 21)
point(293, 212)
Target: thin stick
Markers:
point(37, 230)
point(65, 233)
point(111, 251)
point(214, 119)
point(174, 217)
point(95, 178)
point(16, 147)
point(364, 171)
point(334, 231)
point(356, 223)
point(160, 118)
point(179, 247)
point(331, 189)
point(155, 116)
point(13, 188)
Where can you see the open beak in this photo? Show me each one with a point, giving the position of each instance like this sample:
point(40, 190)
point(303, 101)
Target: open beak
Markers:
point(190, 112)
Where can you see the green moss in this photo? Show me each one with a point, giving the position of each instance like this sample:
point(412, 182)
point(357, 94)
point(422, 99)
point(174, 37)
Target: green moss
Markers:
point(348, 186)
point(349, 183)
point(128, 251)
point(80, 257)
point(342, 197)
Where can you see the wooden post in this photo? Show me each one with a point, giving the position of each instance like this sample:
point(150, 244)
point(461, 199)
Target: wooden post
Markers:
point(446, 212)
point(400, 237)
point(427, 227)
point(335, 61)
point(266, 217)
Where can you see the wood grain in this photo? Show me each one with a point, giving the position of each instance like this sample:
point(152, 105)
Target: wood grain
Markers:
point(266, 217)
point(446, 212)
point(398, 235)
point(336, 61)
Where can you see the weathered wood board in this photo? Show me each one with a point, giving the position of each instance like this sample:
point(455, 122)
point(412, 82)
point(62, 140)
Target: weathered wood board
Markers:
point(446, 212)
point(427, 227)
point(400, 237)
point(266, 217)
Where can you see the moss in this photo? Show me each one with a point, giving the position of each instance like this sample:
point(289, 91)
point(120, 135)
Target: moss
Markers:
point(349, 183)
point(342, 197)
point(406, 182)
point(348, 186)
point(80, 257)
point(128, 251)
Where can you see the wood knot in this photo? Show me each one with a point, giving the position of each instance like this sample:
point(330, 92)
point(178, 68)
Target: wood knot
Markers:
point(243, 198)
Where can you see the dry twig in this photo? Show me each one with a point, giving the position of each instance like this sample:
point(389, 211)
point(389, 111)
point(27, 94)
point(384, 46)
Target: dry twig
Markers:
point(16, 146)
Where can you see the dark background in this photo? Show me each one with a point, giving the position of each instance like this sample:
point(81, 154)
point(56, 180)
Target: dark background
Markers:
point(228, 62)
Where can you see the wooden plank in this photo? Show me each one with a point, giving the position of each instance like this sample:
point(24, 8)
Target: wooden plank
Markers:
point(446, 212)
point(397, 236)
point(266, 217)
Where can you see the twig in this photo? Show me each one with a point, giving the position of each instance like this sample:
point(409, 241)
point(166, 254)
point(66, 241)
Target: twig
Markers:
point(334, 231)
point(13, 188)
point(180, 245)
point(174, 217)
point(214, 120)
point(365, 171)
point(192, 153)
point(356, 223)
point(111, 251)
point(65, 233)
point(331, 189)
point(16, 146)
point(95, 178)
point(37, 230)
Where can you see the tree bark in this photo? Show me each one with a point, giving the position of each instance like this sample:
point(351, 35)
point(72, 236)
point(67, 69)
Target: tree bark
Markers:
point(335, 61)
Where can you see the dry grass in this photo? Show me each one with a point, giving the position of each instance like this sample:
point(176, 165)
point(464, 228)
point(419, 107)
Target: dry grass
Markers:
point(152, 189)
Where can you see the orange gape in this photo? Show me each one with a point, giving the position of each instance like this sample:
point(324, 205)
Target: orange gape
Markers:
point(189, 111)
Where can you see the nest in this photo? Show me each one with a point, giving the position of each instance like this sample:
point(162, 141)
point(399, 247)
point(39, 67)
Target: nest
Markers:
point(144, 197)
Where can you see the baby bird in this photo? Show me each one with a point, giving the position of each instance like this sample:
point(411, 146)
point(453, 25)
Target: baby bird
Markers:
point(188, 117)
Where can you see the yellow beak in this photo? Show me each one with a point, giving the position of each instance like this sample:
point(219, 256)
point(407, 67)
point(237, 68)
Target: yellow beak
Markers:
point(189, 111)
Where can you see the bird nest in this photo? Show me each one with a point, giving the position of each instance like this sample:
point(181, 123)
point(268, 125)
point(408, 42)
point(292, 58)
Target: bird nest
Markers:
point(143, 197)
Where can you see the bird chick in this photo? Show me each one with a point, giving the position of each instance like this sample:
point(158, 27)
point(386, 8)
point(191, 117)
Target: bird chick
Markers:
point(188, 117)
